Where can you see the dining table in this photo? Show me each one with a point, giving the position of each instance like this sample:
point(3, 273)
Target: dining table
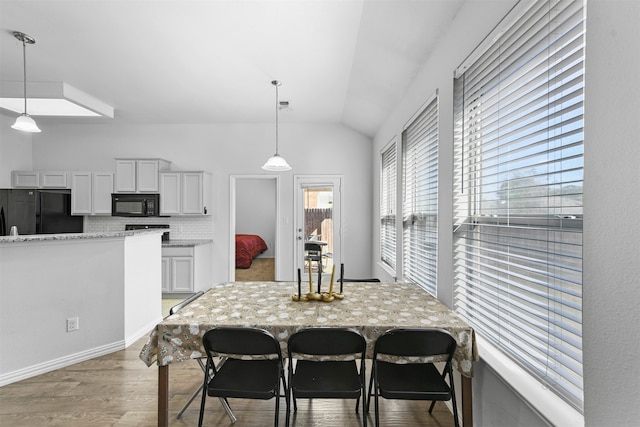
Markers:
point(281, 309)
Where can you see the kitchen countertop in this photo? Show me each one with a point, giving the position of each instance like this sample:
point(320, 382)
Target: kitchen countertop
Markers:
point(182, 243)
point(75, 236)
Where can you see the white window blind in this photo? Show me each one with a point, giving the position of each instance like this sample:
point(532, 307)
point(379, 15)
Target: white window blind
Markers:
point(518, 194)
point(420, 198)
point(388, 202)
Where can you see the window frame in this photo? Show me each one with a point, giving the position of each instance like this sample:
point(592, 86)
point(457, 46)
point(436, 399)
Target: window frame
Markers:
point(420, 192)
point(389, 205)
point(473, 268)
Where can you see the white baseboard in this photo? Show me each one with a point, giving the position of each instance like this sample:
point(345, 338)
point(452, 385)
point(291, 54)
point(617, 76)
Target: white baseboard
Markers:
point(72, 359)
point(61, 362)
point(143, 331)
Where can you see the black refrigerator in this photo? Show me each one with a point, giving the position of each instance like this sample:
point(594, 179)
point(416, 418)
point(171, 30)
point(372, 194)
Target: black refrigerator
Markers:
point(37, 212)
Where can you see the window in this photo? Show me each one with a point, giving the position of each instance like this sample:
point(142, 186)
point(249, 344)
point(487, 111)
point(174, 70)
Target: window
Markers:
point(420, 198)
point(518, 194)
point(388, 202)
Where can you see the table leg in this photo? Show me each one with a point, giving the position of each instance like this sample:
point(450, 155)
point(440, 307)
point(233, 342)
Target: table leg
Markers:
point(467, 402)
point(163, 396)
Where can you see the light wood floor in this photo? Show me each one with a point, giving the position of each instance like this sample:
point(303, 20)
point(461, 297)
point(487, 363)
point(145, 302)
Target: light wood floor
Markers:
point(119, 390)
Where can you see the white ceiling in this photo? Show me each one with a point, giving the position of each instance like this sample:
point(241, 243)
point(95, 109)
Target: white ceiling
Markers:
point(186, 61)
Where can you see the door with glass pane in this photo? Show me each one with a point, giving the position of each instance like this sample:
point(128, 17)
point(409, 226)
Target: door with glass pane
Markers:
point(317, 207)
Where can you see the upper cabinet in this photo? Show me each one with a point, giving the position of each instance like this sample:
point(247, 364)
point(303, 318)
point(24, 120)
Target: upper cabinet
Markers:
point(139, 175)
point(40, 179)
point(91, 193)
point(185, 193)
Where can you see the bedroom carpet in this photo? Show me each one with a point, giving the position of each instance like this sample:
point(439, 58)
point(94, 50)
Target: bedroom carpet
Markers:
point(262, 269)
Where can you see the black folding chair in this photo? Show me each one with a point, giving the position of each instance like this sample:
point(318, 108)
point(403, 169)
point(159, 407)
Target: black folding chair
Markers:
point(181, 305)
point(327, 379)
point(197, 391)
point(343, 279)
point(313, 253)
point(413, 381)
point(258, 377)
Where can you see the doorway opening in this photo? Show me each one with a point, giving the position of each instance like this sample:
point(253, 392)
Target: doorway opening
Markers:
point(253, 228)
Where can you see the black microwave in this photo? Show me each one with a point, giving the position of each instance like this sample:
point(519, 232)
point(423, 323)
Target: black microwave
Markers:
point(135, 204)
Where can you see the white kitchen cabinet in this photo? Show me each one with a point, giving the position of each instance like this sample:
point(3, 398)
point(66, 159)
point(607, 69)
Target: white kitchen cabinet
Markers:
point(186, 269)
point(177, 274)
point(166, 273)
point(170, 193)
point(25, 179)
point(91, 193)
point(54, 179)
point(40, 179)
point(139, 175)
point(185, 193)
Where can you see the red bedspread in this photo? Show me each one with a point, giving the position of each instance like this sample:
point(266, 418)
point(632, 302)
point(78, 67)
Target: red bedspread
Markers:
point(247, 247)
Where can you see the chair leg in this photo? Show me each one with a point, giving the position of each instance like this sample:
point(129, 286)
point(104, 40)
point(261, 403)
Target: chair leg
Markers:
point(286, 396)
point(369, 394)
point(364, 412)
point(186, 405)
point(373, 385)
point(202, 402)
point(277, 396)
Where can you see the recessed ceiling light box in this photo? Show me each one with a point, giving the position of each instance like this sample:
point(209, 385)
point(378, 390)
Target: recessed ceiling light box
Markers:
point(52, 99)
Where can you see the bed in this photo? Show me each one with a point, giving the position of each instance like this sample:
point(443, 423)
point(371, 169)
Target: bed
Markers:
point(248, 246)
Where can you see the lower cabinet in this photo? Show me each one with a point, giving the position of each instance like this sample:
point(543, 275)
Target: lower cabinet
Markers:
point(186, 269)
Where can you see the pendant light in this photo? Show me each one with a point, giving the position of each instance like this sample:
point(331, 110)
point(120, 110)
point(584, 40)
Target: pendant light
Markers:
point(276, 163)
point(24, 122)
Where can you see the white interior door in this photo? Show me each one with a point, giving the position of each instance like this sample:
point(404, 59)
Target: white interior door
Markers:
point(318, 228)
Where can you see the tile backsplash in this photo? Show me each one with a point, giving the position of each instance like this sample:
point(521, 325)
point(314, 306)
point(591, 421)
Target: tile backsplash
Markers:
point(181, 227)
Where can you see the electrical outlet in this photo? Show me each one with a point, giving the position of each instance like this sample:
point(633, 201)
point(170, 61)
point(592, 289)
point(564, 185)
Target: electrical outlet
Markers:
point(73, 324)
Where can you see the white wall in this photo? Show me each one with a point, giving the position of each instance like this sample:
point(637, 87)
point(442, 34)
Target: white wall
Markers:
point(142, 295)
point(611, 235)
point(224, 150)
point(15, 150)
point(44, 283)
point(611, 317)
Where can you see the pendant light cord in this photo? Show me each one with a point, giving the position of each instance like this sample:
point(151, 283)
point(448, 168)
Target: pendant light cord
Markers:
point(24, 73)
point(276, 85)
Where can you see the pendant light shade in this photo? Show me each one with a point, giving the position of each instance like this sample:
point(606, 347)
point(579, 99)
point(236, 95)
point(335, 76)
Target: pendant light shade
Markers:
point(276, 163)
point(24, 122)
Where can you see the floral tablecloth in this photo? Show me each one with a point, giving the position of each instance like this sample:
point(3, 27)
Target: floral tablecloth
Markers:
point(371, 308)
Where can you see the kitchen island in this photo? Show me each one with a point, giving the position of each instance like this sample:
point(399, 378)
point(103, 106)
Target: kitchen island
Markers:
point(106, 286)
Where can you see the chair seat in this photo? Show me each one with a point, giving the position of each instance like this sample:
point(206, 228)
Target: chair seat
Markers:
point(248, 379)
point(326, 379)
point(411, 381)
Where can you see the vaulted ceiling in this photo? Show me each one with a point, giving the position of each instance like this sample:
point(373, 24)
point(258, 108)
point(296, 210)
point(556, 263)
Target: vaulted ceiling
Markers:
point(187, 61)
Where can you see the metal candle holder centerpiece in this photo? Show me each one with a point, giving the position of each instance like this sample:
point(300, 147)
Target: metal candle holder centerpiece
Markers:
point(319, 295)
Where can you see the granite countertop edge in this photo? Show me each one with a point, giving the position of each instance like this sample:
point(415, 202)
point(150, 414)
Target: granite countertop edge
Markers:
point(182, 243)
point(76, 236)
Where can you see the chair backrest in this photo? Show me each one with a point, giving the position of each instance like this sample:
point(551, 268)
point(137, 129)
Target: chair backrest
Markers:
point(415, 342)
point(326, 342)
point(313, 247)
point(241, 341)
point(181, 305)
